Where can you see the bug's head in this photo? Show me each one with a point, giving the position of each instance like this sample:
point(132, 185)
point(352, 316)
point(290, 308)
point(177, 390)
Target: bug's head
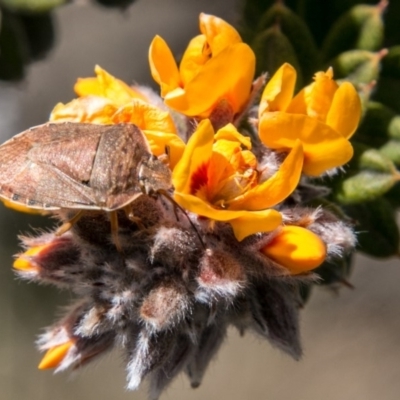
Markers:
point(154, 176)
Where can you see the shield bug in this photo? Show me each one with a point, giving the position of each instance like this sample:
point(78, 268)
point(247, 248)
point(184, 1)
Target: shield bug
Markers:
point(80, 166)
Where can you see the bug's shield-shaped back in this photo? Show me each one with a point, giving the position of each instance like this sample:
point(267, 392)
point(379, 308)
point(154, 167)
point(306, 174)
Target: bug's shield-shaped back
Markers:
point(72, 165)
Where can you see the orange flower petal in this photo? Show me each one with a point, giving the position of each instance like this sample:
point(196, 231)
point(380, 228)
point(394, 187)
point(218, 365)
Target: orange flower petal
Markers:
point(163, 66)
point(24, 261)
point(89, 109)
point(277, 187)
point(197, 153)
point(244, 223)
point(105, 85)
point(345, 112)
point(159, 141)
point(279, 90)
point(232, 83)
point(297, 249)
point(218, 32)
point(229, 132)
point(323, 147)
point(316, 98)
point(21, 207)
point(145, 116)
point(193, 59)
point(55, 355)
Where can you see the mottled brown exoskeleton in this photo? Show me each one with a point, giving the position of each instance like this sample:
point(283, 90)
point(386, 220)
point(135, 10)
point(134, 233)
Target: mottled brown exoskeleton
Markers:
point(58, 166)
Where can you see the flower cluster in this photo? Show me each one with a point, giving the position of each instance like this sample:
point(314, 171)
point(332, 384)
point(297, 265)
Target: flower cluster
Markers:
point(231, 243)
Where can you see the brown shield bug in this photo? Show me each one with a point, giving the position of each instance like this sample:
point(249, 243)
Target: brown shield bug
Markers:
point(81, 166)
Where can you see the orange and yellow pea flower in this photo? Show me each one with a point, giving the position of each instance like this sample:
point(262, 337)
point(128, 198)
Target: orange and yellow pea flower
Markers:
point(323, 116)
point(217, 177)
point(107, 100)
point(297, 249)
point(216, 68)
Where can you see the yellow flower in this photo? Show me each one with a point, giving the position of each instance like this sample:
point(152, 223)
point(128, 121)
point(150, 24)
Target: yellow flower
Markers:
point(216, 68)
point(297, 249)
point(217, 177)
point(107, 100)
point(323, 116)
point(105, 85)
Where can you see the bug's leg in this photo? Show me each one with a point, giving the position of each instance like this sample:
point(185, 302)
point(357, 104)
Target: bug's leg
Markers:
point(131, 216)
point(66, 226)
point(114, 230)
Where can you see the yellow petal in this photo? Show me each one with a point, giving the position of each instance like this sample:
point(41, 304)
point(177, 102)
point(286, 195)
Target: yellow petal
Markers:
point(193, 59)
point(323, 147)
point(297, 249)
point(89, 109)
point(105, 85)
point(218, 32)
point(316, 97)
point(255, 221)
point(163, 66)
point(159, 141)
point(197, 152)
point(345, 112)
point(229, 132)
point(279, 90)
point(145, 116)
point(55, 355)
point(228, 76)
point(24, 261)
point(21, 207)
point(244, 223)
point(275, 189)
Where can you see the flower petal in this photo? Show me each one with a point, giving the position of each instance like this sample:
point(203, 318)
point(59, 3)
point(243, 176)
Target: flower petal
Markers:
point(345, 112)
point(229, 132)
point(163, 66)
point(323, 147)
point(317, 97)
point(219, 33)
point(227, 76)
point(275, 189)
point(197, 152)
point(89, 109)
point(193, 59)
point(279, 90)
point(244, 223)
point(159, 141)
point(105, 85)
point(145, 116)
point(297, 249)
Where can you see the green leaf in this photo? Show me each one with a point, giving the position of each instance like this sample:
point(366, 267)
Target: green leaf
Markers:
point(391, 150)
point(363, 186)
point(377, 230)
point(321, 15)
point(393, 195)
point(272, 49)
point(34, 6)
point(359, 28)
point(357, 66)
point(387, 92)
point(391, 63)
point(297, 32)
point(378, 124)
point(366, 158)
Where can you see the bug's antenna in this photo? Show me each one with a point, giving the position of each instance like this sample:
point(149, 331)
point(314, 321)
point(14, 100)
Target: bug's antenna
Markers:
point(176, 205)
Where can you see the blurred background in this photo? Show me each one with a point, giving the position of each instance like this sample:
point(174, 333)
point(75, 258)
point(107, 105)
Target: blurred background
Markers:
point(351, 339)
